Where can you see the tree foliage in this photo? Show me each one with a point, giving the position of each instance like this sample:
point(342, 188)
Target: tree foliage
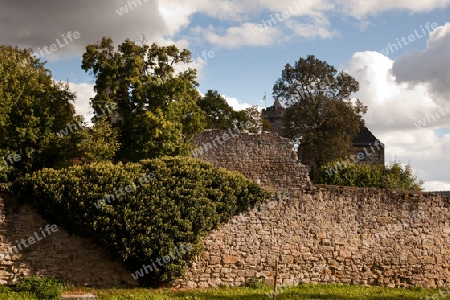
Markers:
point(320, 115)
point(347, 173)
point(98, 143)
point(219, 114)
point(157, 112)
point(256, 122)
point(33, 108)
point(147, 219)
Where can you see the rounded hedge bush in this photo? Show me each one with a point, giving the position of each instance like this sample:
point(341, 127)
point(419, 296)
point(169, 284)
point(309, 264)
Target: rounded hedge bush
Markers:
point(141, 212)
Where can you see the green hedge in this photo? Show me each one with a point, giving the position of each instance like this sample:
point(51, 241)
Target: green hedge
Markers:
point(344, 172)
point(183, 201)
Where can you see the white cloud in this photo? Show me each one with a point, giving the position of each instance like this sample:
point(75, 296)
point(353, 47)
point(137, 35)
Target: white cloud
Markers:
point(437, 186)
point(430, 66)
point(247, 34)
point(319, 28)
point(222, 9)
point(234, 102)
point(282, 19)
point(175, 15)
point(391, 104)
point(393, 108)
point(241, 11)
point(285, 20)
point(84, 91)
point(362, 9)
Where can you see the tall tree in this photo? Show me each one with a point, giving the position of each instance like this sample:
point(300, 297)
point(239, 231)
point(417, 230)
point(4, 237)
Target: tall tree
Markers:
point(219, 114)
point(320, 116)
point(157, 112)
point(32, 109)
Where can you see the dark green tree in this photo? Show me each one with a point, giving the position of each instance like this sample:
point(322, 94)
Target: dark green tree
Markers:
point(320, 116)
point(219, 114)
point(33, 108)
point(156, 108)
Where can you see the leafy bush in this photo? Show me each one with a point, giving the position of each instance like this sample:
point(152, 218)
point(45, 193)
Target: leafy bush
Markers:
point(340, 172)
point(43, 288)
point(186, 199)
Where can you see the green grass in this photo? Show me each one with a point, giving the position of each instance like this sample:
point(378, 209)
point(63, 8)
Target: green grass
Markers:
point(7, 293)
point(306, 291)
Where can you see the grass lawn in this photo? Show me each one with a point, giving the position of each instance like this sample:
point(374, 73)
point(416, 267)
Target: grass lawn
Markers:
point(305, 291)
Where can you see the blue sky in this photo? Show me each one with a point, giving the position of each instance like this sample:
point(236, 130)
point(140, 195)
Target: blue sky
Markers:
point(399, 88)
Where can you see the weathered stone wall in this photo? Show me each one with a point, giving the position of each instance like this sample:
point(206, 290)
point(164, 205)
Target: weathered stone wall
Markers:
point(330, 234)
point(319, 234)
point(72, 258)
point(267, 158)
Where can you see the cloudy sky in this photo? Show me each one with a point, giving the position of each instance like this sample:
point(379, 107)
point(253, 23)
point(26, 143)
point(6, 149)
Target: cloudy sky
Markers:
point(399, 51)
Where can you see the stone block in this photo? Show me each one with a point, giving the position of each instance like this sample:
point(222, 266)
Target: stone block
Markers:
point(345, 254)
point(214, 260)
point(230, 259)
point(428, 260)
point(322, 235)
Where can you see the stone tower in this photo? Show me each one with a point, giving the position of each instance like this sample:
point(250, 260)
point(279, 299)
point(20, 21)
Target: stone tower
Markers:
point(274, 114)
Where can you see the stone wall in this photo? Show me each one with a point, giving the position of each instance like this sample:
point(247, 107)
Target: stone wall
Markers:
point(267, 158)
point(70, 257)
point(319, 234)
point(330, 234)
